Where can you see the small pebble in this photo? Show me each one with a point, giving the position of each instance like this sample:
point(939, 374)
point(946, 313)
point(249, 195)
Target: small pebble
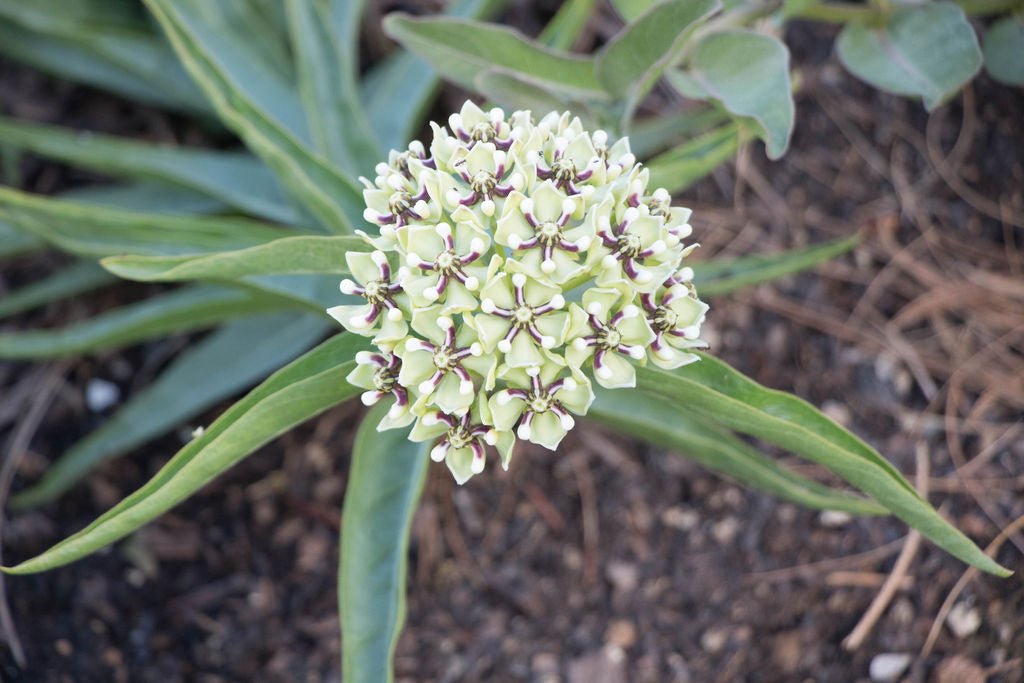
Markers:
point(714, 640)
point(101, 394)
point(888, 666)
point(834, 519)
point(725, 531)
point(63, 647)
point(963, 620)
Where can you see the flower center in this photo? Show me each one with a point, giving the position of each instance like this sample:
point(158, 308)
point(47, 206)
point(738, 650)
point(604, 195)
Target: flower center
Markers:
point(459, 437)
point(664, 318)
point(402, 164)
point(629, 245)
point(399, 203)
point(383, 380)
point(523, 315)
point(609, 338)
point(662, 209)
point(539, 403)
point(549, 232)
point(484, 182)
point(564, 170)
point(483, 132)
point(375, 291)
point(445, 261)
point(443, 360)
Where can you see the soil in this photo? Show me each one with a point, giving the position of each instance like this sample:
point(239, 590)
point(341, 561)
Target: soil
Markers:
point(608, 560)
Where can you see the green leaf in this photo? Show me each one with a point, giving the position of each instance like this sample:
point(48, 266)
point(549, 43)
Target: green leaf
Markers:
point(153, 198)
point(384, 486)
point(325, 38)
point(102, 44)
point(225, 362)
point(664, 424)
point(79, 277)
point(712, 389)
point(927, 50)
point(182, 310)
point(749, 73)
point(404, 77)
point(510, 90)
point(239, 180)
point(564, 29)
point(286, 256)
point(299, 391)
point(631, 10)
point(460, 50)
point(679, 168)
point(1003, 48)
point(654, 134)
point(14, 242)
point(93, 231)
point(723, 276)
point(635, 59)
point(260, 113)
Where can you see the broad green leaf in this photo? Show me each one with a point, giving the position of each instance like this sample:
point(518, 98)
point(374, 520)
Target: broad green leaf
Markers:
point(225, 362)
point(1003, 48)
point(238, 180)
point(564, 29)
point(712, 389)
point(509, 90)
point(404, 77)
point(182, 310)
point(723, 276)
point(94, 231)
point(106, 47)
point(927, 50)
point(261, 35)
point(384, 485)
point(658, 132)
point(664, 424)
point(79, 277)
point(259, 117)
point(287, 256)
point(459, 50)
point(299, 391)
point(148, 197)
point(749, 73)
point(325, 38)
point(631, 10)
point(635, 59)
point(679, 168)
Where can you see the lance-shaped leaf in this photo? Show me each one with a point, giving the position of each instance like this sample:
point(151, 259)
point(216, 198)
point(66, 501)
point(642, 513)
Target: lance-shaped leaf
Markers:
point(406, 78)
point(239, 180)
point(712, 389)
point(227, 361)
point(1003, 48)
point(182, 310)
point(511, 91)
point(93, 231)
point(749, 73)
point(325, 39)
point(637, 56)
point(564, 29)
point(287, 256)
point(631, 10)
point(384, 486)
point(14, 242)
point(460, 50)
point(263, 116)
point(723, 276)
point(299, 391)
point(77, 278)
point(104, 49)
point(664, 424)
point(654, 134)
point(679, 168)
point(148, 197)
point(927, 50)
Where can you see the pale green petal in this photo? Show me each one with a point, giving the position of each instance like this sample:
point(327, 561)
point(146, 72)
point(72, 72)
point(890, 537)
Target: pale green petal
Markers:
point(378, 200)
point(547, 202)
point(504, 417)
point(490, 329)
point(416, 367)
point(362, 376)
point(414, 286)
point(576, 358)
point(513, 223)
point(425, 432)
point(458, 299)
point(480, 158)
point(387, 422)
point(623, 375)
point(449, 398)
point(506, 440)
point(424, 241)
point(459, 461)
point(538, 293)
point(605, 297)
point(636, 331)
point(647, 228)
point(578, 323)
point(484, 366)
point(578, 400)
point(524, 352)
point(472, 115)
point(555, 325)
point(391, 331)
point(424, 322)
point(344, 315)
point(678, 359)
point(580, 150)
point(499, 290)
point(362, 266)
point(688, 310)
point(546, 429)
point(465, 233)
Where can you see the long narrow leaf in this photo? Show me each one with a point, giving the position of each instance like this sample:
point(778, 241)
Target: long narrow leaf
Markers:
point(564, 29)
point(290, 255)
point(654, 134)
point(238, 180)
point(721, 277)
point(384, 486)
point(331, 197)
point(679, 168)
point(93, 231)
point(712, 389)
point(661, 423)
point(80, 277)
point(404, 77)
point(183, 310)
point(294, 394)
point(149, 197)
point(14, 242)
point(227, 361)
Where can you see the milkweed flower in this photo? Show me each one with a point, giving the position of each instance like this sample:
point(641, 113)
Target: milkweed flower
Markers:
point(513, 262)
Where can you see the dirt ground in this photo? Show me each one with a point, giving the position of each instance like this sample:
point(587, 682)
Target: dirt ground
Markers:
point(609, 560)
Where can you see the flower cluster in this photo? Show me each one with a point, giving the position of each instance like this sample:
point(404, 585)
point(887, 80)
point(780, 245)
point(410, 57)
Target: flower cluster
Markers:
point(514, 261)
